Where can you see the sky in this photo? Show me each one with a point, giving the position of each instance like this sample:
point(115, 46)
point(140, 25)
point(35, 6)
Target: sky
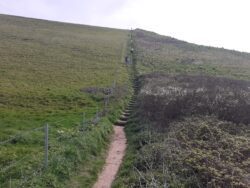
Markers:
point(219, 23)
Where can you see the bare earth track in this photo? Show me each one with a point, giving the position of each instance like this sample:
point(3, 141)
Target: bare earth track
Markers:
point(114, 158)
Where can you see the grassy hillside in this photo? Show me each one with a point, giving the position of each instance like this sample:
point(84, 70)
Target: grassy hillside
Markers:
point(191, 123)
point(190, 127)
point(161, 53)
point(53, 72)
point(44, 65)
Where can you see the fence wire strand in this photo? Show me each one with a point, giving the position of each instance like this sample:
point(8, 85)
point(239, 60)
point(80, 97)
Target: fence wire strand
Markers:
point(19, 135)
point(94, 120)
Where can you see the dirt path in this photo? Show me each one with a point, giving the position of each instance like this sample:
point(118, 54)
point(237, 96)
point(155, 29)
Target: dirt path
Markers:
point(114, 158)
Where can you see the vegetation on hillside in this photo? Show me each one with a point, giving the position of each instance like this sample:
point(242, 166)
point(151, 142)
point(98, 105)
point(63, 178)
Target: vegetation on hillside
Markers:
point(189, 132)
point(160, 53)
point(190, 127)
point(45, 65)
point(46, 72)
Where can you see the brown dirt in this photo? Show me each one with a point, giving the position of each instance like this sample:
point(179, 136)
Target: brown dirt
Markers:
point(114, 159)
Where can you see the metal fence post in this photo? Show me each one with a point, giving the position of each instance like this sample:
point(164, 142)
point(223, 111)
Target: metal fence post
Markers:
point(83, 118)
point(106, 102)
point(10, 183)
point(46, 145)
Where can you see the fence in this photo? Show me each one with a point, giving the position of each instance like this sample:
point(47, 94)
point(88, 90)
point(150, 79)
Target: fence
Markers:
point(47, 143)
point(40, 145)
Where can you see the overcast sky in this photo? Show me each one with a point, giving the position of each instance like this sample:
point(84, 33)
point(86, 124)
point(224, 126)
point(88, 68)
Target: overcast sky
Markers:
point(220, 23)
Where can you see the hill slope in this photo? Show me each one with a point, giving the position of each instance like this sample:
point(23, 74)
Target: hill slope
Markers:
point(190, 127)
point(186, 130)
point(43, 63)
point(60, 74)
point(161, 53)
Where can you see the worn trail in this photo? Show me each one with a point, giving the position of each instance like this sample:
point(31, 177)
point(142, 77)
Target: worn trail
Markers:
point(114, 158)
point(118, 144)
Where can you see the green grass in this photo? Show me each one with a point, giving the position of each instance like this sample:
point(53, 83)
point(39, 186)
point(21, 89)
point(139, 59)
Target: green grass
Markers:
point(44, 68)
point(45, 64)
point(165, 54)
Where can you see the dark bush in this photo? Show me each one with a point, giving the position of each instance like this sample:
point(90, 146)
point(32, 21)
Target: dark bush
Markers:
point(164, 98)
point(192, 131)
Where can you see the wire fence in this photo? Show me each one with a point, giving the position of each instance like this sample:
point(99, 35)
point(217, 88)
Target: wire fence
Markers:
point(16, 170)
point(38, 146)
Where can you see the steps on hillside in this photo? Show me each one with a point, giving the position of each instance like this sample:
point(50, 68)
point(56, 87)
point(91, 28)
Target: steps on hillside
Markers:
point(125, 114)
point(131, 105)
point(128, 111)
point(124, 118)
point(121, 123)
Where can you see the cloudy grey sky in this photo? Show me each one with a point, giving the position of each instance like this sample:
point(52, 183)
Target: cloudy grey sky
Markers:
point(220, 23)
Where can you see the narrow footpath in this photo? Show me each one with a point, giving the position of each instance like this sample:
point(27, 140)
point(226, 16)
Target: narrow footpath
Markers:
point(117, 147)
point(116, 151)
point(118, 144)
point(114, 158)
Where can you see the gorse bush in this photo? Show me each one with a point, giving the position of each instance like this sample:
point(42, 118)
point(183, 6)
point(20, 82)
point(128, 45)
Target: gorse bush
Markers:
point(189, 131)
point(183, 95)
point(194, 152)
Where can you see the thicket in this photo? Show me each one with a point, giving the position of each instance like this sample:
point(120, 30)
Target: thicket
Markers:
point(165, 98)
point(189, 131)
